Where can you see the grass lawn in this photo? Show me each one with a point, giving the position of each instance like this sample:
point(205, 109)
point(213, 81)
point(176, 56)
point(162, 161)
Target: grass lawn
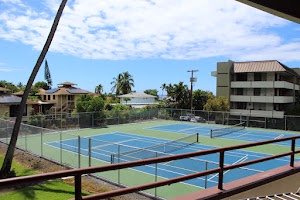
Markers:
point(50, 190)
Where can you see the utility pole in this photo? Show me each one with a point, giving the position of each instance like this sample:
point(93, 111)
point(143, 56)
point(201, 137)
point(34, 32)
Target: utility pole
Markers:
point(192, 80)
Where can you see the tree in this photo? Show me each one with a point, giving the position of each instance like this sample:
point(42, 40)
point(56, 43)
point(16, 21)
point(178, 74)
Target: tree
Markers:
point(99, 89)
point(127, 99)
point(9, 85)
point(200, 98)
point(88, 103)
point(42, 84)
point(123, 83)
point(179, 95)
point(163, 87)
point(21, 86)
point(182, 95)
point(152, 92)
point(5, 169)
point(217, 104)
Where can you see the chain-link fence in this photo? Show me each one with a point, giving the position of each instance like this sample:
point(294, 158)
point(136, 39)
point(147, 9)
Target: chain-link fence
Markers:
point(60, 122)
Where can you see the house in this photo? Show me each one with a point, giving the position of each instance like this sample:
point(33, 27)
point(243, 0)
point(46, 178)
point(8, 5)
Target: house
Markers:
point(63, 98)
point(9, 104)
point(137, 100)
point(258, 88)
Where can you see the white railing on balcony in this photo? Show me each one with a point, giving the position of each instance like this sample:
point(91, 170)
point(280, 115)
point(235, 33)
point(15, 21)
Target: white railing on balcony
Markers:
point(262, 99)
point(258, 113)
point(264, 84)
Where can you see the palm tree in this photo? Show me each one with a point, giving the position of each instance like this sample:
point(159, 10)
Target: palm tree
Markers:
point(5, 169)
point(181, 93)
point(99, 89)
point(123, 83)
point(116, 84)
point(163, 87)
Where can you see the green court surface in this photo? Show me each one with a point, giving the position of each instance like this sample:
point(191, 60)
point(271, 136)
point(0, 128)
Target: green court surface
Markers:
point(41, 143)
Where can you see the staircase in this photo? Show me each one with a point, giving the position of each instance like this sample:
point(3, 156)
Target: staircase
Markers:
point(283, 196)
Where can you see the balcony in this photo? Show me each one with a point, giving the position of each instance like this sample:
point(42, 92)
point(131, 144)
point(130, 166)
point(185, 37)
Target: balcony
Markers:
point(264, 84)
point(262, 99)
point(258, 113)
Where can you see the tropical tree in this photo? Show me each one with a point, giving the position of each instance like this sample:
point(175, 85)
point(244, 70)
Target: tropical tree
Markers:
point(163, 87)
point(42, 84)
point(9, 85)
point(5, 169)
point(179, 95)
point(123, 83)
point(182, 95)
point(200, 98)
point(152, 92)
point(127, 99)
point(217, 104)
point(88, 103)
point(21, 86)
point(116, 84)
point(99, 89)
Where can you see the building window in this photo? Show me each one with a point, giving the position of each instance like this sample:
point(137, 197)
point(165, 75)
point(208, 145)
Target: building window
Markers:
point(257, 77)
point(241, 105)
point(45, 97)
point(53, 97)
point(49, 97)
point(256, 91)
point(239, 91)
point(241, 76)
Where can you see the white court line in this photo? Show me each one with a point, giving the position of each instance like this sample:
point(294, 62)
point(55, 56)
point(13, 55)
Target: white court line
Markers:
point(238, 161)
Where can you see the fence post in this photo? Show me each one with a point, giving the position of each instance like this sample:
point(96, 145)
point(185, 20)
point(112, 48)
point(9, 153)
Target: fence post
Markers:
point(292, 161)
point(78, 187)
point(221, 166)
point(41, 142)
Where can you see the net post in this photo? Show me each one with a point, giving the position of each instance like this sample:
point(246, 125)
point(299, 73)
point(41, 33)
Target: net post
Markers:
point(197, 137)
point(112, 157)
point(60, 145)
point(90, 152)
point(119, 173)
point(210, 133)
point(78, 150)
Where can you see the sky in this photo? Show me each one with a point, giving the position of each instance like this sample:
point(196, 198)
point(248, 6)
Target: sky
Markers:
point(156, 41)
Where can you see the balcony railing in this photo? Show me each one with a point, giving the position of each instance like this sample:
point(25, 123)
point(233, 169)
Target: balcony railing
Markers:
point(264, 84)
point(220, 170)
point(262, 99)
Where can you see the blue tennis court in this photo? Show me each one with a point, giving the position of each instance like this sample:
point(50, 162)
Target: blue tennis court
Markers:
point(247, 134)
point(122, 147)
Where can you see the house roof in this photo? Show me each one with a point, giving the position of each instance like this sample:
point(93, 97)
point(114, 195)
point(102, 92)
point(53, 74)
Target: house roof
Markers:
point(65, 88)
point(9, 99)
point(262, 66)
point(136, 95)
point(4, 89)
point(66, 91)
point(67, 84)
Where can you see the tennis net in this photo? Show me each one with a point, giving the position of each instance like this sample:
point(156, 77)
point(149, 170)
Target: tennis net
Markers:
point(154, 151)
point(224, 131)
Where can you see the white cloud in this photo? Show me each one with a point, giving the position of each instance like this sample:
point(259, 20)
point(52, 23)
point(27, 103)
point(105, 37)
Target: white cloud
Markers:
point(181, 29)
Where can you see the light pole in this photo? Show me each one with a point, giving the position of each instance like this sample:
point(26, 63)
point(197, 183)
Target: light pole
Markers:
point(192, 80)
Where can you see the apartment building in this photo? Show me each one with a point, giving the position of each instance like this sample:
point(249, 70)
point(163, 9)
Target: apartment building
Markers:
point(257, 88)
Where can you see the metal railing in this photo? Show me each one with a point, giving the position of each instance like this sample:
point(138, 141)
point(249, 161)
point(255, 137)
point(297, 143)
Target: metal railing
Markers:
point(220, 170)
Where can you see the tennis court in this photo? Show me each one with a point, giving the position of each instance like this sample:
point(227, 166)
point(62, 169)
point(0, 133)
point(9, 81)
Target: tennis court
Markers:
point(122, 147)
point(120, 143)
point(228, 132)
